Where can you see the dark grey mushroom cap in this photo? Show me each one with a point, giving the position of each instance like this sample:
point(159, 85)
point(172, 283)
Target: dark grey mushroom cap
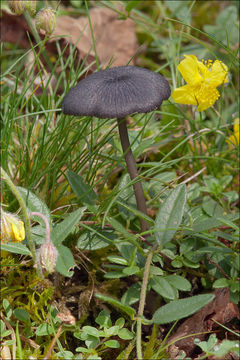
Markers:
point(116, 93)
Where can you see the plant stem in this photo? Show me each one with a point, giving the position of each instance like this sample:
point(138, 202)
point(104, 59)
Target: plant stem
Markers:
point(132, 170)
point(38, 39)
point(23, 206)
point(142, 303)
point(141, 205)
point(48, 241)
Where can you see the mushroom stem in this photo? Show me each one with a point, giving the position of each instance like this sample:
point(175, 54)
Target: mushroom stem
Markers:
point(132, 170)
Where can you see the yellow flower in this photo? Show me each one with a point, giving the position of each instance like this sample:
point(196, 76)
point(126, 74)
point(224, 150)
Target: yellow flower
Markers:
point(202, 80)
point(234, 139)
point(12, 229)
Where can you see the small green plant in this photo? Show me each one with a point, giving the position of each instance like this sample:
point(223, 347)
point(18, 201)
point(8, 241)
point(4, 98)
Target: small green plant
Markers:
point(213, 347)
point(106, 336)
point(75, 246)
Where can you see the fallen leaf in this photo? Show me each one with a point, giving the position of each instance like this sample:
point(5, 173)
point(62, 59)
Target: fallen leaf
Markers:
point(14, 29)
point(115, 39)
point(220, 309)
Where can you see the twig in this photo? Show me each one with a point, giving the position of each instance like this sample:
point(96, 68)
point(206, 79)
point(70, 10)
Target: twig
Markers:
point(13, 336)
point(193, 176)
point(53, 342)
point(218, 267)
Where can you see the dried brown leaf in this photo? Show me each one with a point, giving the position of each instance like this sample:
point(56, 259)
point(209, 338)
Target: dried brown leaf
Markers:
point(115, 39)
point(220, 309)
point(14, 29)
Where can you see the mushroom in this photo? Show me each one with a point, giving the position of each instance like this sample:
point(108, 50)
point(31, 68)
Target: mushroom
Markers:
point(116, 93)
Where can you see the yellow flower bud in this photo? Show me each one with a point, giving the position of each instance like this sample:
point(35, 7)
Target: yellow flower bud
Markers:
point(46, 21)
point(12, 228)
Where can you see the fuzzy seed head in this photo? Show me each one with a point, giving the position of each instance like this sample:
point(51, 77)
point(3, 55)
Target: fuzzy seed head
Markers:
point(31, 7)
point(17, 6)
point(46, 21)
point(48, 257)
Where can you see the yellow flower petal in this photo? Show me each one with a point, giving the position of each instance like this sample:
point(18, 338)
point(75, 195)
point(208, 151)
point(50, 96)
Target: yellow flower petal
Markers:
point(18, 231)
point(189, 69)
point(218, 73)
point(206, 97)
point(203, 71)
point(234, 139)
point(236, 125)
point(202, 79)
point(184, 95)
point(12, 229)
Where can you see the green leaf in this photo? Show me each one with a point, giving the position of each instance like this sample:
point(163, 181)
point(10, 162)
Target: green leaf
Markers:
point(84, 192)
point(220, 283)
point(155, 270)
point(125, 334)
point(179, 282)
point(170, 215)
point(180, 10)
point(127, 250)
point(225, 347)
point(112, 331)
point(162, 287)
point(131, 270)
point(127, 309)
point(5, 334)
point(65, 227)
point(177, 263)
point(131, 5)
point(212, 222)
point(126, 197)
point(117, 259)
point(82, 349)
point(16, 248)
point(211, 207)
point(34, 204)
point(7, 308)
point(96, 238)
point(104, 319)
point(21, 314)
point(114, 344)
point(68, 355)
point(91, 342)
point(228, 222)
point(132, 295)
point(65, 261)
point(226, 23)
point(114, 275)
point(90, 330)
point(9, 342)
point(131, 211)
point(219, 350)
point(179, 309)
point(38, 234)
point(159, 181)
point(120, 322)
point(44, 329)
point(120, 228)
